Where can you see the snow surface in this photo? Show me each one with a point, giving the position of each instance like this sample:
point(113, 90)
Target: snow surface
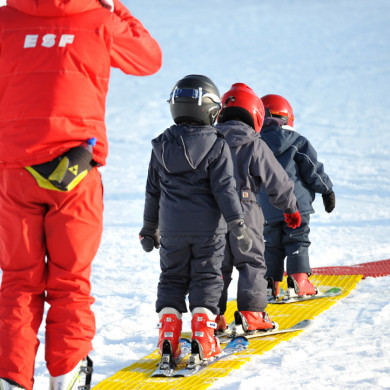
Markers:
point(331, 60)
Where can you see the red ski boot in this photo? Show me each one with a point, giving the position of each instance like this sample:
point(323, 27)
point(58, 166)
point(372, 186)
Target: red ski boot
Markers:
point(170, 326)
point(204, 343)
point(300, 284)
point(273, 288)
point(222, 325)
point(253, 320)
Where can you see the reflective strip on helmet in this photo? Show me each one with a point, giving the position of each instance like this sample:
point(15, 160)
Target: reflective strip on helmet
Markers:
point(214, 98)
point(172, 96)
point(200, 93)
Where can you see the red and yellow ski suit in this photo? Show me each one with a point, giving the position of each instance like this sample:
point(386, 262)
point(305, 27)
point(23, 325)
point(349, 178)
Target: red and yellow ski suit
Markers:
point(55, 59)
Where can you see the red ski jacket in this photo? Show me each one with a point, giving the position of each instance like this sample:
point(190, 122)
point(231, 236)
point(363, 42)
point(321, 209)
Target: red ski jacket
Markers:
point(55, 59)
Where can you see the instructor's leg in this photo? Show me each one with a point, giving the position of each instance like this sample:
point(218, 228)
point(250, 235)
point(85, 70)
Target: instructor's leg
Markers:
point(73, 226)
point(22, 260)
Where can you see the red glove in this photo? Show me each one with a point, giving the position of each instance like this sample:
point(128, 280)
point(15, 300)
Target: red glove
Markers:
point(293, 220)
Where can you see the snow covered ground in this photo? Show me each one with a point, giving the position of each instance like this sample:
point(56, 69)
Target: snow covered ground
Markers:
point(331, 60)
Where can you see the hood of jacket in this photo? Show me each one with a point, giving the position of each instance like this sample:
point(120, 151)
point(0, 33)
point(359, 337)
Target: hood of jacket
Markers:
point(53, 8)
point(181, 148)
point(278, 136)
point(237, 133)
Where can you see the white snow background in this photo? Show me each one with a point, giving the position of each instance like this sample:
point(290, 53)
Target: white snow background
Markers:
point(331, 60)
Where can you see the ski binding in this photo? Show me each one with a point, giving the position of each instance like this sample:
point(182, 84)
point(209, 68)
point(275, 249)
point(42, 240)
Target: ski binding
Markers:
point(167, 366)
point(195, 364)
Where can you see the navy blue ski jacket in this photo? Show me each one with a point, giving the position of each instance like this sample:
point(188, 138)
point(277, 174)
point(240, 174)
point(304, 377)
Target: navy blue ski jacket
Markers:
point(190, 187)
point(256, 167)
point(299, 159)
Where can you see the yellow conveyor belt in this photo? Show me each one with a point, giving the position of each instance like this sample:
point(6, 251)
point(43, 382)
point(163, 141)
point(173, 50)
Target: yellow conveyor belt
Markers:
point(137, 376)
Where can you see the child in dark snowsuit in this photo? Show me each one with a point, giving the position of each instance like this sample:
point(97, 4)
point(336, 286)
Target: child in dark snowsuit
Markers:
point(298, 157)
point(190, 193)
point(255, 166)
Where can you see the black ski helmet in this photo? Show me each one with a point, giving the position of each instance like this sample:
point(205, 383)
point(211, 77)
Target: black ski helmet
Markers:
point(195, 98)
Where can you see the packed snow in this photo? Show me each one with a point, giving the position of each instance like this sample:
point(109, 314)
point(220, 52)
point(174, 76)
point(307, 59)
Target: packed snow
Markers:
point(331, 60)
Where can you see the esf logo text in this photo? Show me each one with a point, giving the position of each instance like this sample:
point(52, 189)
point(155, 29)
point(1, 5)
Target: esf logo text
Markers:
point(48, 40)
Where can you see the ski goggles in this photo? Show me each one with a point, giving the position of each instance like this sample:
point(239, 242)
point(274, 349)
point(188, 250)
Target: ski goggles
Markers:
point(193, 93)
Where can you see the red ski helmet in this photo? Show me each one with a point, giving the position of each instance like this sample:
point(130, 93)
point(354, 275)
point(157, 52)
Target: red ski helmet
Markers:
point(279, 107)
point(242, 103)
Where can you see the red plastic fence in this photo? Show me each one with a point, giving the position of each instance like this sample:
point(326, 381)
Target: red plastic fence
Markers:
point(373, 269)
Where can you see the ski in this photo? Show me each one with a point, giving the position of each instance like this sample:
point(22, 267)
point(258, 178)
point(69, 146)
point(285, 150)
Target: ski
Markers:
point(195, 365)
point(166, 367)
point(235, 332)
point(287, 298)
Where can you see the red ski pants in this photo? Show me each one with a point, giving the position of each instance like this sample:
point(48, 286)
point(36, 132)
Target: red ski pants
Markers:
point(48, 240)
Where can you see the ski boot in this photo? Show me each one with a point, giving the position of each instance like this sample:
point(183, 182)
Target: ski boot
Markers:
point(253, 321)
point(298, 285)
point(204, 344)
point(9, 384)
point(273, 288)
point(77, 379)
point(222, 325)
point(170, 326)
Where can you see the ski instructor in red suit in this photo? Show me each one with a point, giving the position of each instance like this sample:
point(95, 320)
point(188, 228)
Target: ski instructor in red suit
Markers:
point(55, 59)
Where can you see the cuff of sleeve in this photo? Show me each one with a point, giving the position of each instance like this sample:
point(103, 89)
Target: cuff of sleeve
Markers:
point(292, 210)
point(234, 223)
point(327, 193)
point(151, 225)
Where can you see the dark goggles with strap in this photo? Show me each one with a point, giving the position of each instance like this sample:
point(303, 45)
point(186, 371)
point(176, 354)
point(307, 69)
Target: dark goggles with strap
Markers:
point(193, 93)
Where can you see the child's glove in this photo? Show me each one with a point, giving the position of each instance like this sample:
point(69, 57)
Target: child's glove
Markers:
point(329, 201)
point(239, 231)
point(149, 236)
point(293, 220)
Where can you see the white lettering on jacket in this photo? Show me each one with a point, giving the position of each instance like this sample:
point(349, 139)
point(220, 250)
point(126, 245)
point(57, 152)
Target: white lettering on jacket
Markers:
point(48, 40)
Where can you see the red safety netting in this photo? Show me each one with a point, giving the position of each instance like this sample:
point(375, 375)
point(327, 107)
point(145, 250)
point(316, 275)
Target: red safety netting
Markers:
point(373, 268)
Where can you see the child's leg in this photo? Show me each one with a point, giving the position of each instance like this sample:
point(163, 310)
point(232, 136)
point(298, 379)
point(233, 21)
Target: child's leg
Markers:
point(296, 243)
point(252, 286)
point(227, 270)
point(206, 283)
point(173, 286)
point(274, 253)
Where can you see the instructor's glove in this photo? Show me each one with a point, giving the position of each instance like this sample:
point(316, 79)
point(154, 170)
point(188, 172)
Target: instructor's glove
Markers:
point(329, 201)
point(109, 4)
point(64, 172)
point(240, 232)
point(293, 220)
point(149, 236)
